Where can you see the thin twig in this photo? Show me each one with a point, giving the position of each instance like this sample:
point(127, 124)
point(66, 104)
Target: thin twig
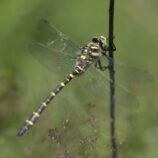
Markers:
point(112, 77)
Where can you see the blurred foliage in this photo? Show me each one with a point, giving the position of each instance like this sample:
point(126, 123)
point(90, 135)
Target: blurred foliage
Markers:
point(74, 125)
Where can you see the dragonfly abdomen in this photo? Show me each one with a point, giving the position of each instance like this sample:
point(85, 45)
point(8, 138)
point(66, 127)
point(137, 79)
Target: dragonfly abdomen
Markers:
point(36, 114)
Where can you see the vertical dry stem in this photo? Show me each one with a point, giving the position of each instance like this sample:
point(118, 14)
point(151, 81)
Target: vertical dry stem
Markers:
point(112, 77)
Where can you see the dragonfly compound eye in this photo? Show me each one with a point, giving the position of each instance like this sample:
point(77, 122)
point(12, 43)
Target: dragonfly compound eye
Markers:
point(103, 42)
point(95, 40)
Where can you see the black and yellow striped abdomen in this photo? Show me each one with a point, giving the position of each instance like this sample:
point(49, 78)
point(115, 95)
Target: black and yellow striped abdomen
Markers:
point(36, 114)
point(89, 55)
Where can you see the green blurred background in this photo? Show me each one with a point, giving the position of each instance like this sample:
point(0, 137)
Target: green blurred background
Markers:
point(24, 82)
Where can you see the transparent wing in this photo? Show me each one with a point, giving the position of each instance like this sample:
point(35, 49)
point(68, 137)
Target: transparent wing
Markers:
point(54, 50)
point(95, 84)
point(55, 60)
point(54, 39)
point(93, 92)
point(129, 75)
point(126, 77)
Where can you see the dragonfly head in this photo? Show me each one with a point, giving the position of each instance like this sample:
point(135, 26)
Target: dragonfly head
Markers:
point(101, 40)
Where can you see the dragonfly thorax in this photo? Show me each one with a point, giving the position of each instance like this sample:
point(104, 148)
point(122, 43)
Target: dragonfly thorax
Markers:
point(89, 54)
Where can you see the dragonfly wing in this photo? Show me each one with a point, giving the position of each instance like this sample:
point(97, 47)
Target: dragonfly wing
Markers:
point(125, 78)
point(129, 75)
point(53, 59)
point(53, 38)
point(54, 50)
point(96, 84)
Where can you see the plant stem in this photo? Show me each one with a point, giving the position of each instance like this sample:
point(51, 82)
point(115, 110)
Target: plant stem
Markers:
point(112, 77)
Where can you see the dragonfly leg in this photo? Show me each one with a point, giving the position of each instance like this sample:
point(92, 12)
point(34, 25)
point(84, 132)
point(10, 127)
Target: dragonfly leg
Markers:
point(113, 48)
point(99, 66)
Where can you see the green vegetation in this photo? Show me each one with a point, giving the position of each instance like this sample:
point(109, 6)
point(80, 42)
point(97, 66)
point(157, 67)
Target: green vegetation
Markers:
point(24, 82)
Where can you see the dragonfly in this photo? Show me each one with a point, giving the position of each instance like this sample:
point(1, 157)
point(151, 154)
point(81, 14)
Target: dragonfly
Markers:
point(58, 52)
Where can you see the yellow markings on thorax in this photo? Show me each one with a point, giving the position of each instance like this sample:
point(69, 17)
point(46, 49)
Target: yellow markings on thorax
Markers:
point(85, 50)
point(95, 54)
point(89, 62)
point(72, 76)
point(81, 68)
point(53, 94)
point(30, 122)
point(44, 104)
point(67, 79)
point(62, 84)
point(94, 47)
point(35, 113)
point(83, 57)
